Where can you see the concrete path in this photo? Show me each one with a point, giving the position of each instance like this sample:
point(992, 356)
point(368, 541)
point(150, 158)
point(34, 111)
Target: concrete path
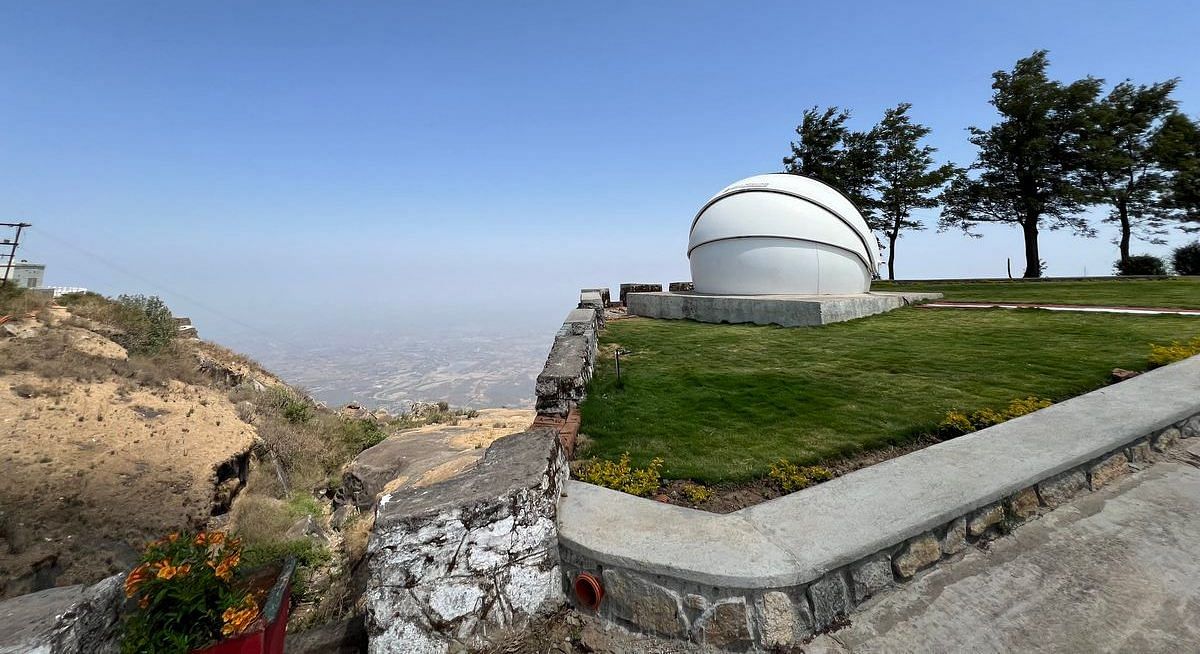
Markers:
point(1114, 571)
point(1145, 311)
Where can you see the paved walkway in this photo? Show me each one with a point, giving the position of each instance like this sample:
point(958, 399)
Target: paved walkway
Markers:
point(1146, 311)
point(1115, 571)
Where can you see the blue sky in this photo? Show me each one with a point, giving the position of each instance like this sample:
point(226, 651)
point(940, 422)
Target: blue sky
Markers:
point(390, 168)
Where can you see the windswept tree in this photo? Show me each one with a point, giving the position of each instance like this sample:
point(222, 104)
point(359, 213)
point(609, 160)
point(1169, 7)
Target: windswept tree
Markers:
point(1028, 168)
point(905, 177)
point(1123, 166)
point(829, 151)
point(1177, 147)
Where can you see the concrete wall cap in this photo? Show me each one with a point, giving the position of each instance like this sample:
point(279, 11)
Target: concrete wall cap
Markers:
point(797, 538)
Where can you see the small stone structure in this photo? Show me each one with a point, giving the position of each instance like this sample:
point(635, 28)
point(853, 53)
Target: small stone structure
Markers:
point(768, 577)
point(455, 565)
point(626, 289)
point(66, 620)
point(785, 310)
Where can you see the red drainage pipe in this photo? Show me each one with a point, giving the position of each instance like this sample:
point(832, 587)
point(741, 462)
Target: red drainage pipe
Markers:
point(588, 590)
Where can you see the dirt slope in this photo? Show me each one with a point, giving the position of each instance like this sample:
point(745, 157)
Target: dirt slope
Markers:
point(95, 466)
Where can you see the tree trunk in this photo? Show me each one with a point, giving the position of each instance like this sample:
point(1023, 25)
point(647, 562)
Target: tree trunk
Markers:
point(1123, 214)
point(892, 255)
point(1033, 261)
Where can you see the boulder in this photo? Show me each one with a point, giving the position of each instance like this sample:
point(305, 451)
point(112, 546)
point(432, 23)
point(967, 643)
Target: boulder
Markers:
point(66, 620)
point(364, 478)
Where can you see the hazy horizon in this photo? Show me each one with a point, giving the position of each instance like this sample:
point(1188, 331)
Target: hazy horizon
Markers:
point(320, 182)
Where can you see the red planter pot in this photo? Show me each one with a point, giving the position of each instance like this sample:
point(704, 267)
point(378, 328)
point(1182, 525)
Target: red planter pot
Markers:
point(268, 637)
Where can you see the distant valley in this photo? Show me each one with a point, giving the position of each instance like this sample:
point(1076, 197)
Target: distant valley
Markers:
point(474, 371)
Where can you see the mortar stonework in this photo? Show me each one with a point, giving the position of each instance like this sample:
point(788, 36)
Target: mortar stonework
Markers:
point(779, 617)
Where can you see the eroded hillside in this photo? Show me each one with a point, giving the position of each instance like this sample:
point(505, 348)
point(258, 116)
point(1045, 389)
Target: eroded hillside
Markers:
point(115, 431)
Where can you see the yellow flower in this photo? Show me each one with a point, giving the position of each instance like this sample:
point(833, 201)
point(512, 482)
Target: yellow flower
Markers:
point(167, 572)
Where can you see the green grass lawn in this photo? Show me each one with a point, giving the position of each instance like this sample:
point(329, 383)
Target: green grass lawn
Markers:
point(1181, 292)
point(722, 402)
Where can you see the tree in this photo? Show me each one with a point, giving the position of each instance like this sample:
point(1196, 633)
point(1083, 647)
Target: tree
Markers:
point(905, 176)
point(1177, 147)
point(1028, 165)
point(1122, 163)
point(828, 151)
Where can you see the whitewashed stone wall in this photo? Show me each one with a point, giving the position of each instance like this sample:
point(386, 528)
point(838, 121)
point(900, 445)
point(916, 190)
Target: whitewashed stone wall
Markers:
point(66, 620)
point(456, 565)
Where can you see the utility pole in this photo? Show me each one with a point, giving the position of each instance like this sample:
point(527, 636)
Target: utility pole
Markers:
point(11, 244)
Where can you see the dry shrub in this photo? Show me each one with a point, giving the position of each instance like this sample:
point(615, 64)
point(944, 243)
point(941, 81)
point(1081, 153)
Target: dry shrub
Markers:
point(299, 449)
point(16, 301)
point(260, 520)
point(51, 356)
point(34, 390)
point(355, 535)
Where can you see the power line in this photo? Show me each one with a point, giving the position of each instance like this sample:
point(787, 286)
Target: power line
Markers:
point(161, 287)
point(12, 248)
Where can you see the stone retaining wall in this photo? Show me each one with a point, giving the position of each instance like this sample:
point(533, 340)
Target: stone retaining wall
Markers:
point(563, 381)
point(769, 577)
point(455, 565)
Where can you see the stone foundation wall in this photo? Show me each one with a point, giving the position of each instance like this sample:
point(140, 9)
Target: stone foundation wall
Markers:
point(774, 619)
point(456, 565)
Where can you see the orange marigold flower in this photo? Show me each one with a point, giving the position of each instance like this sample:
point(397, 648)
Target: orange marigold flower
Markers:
point(167, 572)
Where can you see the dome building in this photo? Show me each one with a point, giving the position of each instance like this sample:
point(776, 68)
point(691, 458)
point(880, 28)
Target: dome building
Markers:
point(781, 234)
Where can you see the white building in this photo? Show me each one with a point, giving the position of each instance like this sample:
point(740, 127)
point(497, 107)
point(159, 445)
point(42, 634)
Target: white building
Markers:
point(24, 273)
point(781, 235)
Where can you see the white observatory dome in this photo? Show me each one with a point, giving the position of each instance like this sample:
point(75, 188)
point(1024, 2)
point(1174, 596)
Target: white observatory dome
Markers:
point(781, 235)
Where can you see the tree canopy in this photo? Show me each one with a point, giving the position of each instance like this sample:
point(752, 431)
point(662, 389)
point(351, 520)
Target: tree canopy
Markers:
point(829, 151)
point(1123, 163)
point(906, 177)
point(1028, 167)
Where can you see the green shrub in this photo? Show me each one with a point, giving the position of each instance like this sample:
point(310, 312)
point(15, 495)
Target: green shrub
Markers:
point(308, 553)
point(1161, 355)
point(359, 434)
point(697, 493)
point(144, 323)
point(791, 477)
point(1186, 259)
point(1141, 264)
point(956, 423)
point(294, 408)
point(622, 476)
